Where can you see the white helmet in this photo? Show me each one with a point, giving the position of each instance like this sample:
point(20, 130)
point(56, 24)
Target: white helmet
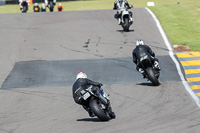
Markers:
point(36, 4)
point(139, 42)
point(81, 75)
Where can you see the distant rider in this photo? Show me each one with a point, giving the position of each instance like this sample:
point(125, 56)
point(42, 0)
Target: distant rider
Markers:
point(140, 51)
point(46, 2)
point(43, 8)
point(119, 5)
point(36, 8)
point(82, 83)
point(20, 3)
point(60, 7)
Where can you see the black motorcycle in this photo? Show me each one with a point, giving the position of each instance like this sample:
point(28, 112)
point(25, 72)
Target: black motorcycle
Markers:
point(51, 5)
point(150, 72)
point(24, 5)
point(97, 102)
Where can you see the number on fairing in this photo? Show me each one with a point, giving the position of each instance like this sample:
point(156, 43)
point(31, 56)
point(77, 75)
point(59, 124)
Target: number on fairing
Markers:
point(86, 95)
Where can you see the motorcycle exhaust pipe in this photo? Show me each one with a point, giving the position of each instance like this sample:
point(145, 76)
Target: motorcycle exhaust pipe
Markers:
point(103, 99)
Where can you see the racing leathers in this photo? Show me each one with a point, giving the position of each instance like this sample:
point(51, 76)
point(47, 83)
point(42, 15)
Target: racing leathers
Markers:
point(119, 5)
point(139, 52)
point(43, 8)
point(46, 2)
point(82, 84)
point(36, 8)
point(21, 1)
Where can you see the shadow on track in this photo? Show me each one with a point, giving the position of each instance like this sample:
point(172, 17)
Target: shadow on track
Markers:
point(122, 31)
point(146, 84)
point(89, 120)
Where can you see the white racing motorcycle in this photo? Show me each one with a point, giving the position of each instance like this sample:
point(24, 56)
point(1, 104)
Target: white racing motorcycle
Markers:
point(126, 18)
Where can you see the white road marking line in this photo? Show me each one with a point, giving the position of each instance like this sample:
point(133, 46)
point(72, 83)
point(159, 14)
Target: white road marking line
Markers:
point(187, 87)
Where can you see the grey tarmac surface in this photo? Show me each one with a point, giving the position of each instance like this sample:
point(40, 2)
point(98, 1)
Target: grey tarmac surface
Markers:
point(41, 54)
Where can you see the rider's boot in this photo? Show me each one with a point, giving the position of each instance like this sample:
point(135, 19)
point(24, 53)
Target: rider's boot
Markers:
point(156, 65)
point(110, 112)
point(90, 112)
point(119, 21)
point(131, 19)
point(142, 72)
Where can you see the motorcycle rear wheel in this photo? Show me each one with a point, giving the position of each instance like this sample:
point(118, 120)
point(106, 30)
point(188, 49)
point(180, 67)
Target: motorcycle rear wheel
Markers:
point(98, 111)
point(152, 77)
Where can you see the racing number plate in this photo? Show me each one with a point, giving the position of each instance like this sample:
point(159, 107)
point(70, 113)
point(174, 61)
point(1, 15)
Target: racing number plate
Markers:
point(86, 95)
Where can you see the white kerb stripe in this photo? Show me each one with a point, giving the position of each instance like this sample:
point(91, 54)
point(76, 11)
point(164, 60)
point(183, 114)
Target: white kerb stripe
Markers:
point(187, 87)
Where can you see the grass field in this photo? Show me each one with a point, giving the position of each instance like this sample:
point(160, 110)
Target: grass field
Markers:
point(180, 21)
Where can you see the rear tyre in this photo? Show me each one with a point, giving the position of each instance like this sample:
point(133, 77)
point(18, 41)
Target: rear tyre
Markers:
point(98, 111)
point(152, 77)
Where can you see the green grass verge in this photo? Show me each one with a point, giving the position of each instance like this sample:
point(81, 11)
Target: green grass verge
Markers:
point(180, 21)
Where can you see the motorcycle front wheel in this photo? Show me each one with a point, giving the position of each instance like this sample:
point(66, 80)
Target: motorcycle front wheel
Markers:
point(24, 9)
point(51, 6)
point(98, 111)
point(126, 24)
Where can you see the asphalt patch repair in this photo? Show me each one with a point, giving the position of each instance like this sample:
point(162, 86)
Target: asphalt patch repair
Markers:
point(29, 74)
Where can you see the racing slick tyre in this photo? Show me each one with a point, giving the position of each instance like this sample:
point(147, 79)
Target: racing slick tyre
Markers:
point(152, 77)
point(24, 9)
point(126, 24)
point(98, 111)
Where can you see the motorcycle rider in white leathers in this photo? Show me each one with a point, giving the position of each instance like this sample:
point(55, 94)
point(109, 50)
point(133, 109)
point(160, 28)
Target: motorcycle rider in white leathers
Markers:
point(46, 2)
point(20, 2)
point(119, 5)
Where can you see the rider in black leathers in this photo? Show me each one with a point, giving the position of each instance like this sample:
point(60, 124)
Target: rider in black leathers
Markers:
point(140, 51)
point(83, 83)
point(36, 7)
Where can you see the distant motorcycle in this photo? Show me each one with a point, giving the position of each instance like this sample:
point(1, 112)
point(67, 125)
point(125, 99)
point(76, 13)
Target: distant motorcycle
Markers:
point(50, 4)
point(24, 6)
point(43, 8)
point(36, 8)
point(98, 103)
point(126, 18)
point(150, 72)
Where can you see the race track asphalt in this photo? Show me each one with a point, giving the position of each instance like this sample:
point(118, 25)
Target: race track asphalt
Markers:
point(41, 54)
